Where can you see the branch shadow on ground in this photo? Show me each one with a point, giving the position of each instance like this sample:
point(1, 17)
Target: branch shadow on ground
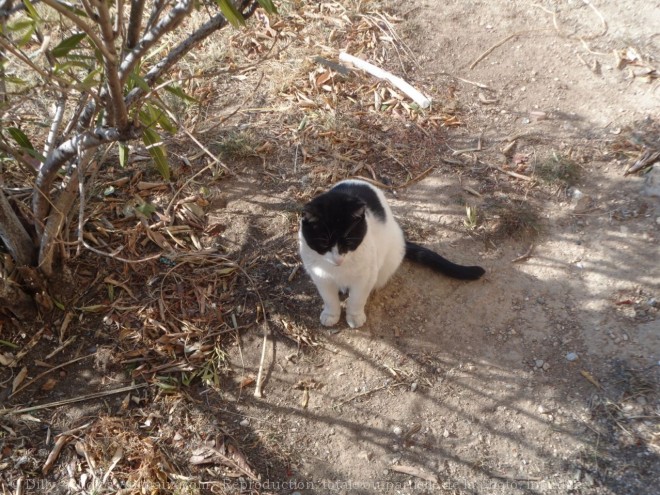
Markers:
point(507, 387)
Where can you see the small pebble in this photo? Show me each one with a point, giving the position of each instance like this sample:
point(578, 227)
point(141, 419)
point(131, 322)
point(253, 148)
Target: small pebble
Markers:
point(445, 433)
point(245, 422)
point(571, 356)
point(538, 363)
point(413, 387)
point(546, 366)
point(397, 430)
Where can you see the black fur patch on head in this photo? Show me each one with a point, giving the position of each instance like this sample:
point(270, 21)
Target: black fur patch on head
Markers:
point(334, 219)
point(366, 194)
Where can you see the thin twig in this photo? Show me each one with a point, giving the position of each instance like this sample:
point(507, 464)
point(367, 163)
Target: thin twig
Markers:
point(602, 20)
point(50, 370)
point(468, 150)
point(207, 152)
point(368, 392)
point(527, 254)
point(77, 20)
point(116, 107)
point(495, 46)
point(119, 258)
point(73, 400)
point(258, 389)
point(508, 172)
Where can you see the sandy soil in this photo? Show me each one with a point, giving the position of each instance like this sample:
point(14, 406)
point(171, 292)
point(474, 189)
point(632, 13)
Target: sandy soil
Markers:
point(521, 382)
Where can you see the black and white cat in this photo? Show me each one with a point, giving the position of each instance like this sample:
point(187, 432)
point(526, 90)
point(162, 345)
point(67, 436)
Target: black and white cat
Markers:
point(350, 242)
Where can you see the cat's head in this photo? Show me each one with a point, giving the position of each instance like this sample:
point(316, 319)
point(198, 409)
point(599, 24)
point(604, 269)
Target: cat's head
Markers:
point(334, 225)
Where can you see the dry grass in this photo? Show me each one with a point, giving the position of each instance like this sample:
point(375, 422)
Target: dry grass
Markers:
point(558, 170)
point(511, 218)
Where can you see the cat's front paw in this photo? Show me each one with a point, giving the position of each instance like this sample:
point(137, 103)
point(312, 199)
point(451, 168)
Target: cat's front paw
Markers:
point(356, 320)
point(329, 318)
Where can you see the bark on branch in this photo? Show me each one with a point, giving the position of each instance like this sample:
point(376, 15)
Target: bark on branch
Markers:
point(177, 53)
point(117, 107)
point(64, 152)
point(134, 23)
point(13, 234)
point(169, 23)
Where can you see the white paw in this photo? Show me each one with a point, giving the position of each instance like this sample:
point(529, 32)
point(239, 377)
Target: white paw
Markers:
point(356, 320)
point(329, 318)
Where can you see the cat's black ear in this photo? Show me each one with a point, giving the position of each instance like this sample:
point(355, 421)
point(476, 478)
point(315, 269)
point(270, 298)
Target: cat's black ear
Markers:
point(359, 213)
point(309, 214)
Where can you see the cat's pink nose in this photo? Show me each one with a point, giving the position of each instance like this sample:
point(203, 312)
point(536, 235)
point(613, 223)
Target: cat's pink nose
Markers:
point(338, 260)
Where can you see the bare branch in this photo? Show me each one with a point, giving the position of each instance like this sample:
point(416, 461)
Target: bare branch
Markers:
point(10, 48)
point(175, 16)
point(89, 11)
point(13, 234)
point(5, 7)
point(170, 22)
point(55, 125)
point(134, 23)
point(63, 85)
point(76, 19)
point(119, 18)
point(156, 11)
point(63, 153)
point(60, 211)
point(55, 223)
point(75, 118)
point(116, 107)
point(179, 51)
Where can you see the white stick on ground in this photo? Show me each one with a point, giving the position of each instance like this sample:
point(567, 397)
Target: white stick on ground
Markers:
point(414, 94)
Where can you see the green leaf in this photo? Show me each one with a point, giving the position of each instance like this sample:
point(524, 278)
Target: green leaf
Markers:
point(268, 6)
point(178, 92)
point(231, 13)
point(91, 78)
point(62, 68)
point(147, 209)
point(65, 46)
point(31, 10)
point(151, 115)
point(21, 139)
point(20, 25)
point(123, 155)
point(154, 146)
point(15, 80)
point(24, 142)
point(135, 81)
point(8, 344)
point(26, 37)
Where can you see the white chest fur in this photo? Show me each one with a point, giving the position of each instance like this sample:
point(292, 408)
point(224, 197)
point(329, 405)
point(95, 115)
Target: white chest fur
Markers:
point(357, 272)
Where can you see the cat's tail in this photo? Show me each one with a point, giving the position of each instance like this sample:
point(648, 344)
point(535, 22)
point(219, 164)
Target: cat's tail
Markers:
point(424, 256)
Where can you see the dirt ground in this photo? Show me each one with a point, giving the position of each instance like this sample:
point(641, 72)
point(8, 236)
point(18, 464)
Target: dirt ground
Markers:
point(541, 378)
point(512, 384)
